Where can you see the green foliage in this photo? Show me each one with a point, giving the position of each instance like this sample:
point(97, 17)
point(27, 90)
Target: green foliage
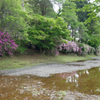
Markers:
point(33, 21)
point(93, 9)
point(86, 49)
point(46, 33)
point(13, 18)
point(82, 15)
point(93, 27)
point(41, 7)
point(83, 36)
point(69, 15)
point(94, 41)
point(21, 45)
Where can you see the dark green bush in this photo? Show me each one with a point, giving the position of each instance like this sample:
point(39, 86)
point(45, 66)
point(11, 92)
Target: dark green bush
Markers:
point(46, 33)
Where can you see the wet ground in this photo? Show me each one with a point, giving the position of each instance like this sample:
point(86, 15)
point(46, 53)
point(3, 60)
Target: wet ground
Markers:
point(79, 81)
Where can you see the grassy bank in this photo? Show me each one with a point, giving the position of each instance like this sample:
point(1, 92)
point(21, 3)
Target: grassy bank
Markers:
point(20, 61)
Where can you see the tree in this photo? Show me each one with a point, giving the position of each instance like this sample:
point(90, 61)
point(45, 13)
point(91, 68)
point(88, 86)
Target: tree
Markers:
point(42, 7)
point(69, 15)
point(13, 18)
point(46, 33)
point(94, 41)
point(82, 30)
point(93, 9)
point(89, 16)
point(93, 21)
point(82, 16)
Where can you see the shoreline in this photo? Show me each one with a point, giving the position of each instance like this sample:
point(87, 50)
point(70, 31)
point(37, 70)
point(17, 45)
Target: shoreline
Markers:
point(45, 70)
point(22, 61)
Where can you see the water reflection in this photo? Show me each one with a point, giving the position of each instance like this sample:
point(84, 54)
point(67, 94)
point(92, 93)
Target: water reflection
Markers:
point(86, 81)
point(27, 87)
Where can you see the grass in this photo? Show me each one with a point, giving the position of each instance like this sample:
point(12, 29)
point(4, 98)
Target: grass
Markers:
point(19, 61)
point(71, 58)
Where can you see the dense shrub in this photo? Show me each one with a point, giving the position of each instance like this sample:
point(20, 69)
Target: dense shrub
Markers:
point(7, 44)
point(94, 41)
point(73, 47)
point(69, 47)
point(86, 49)
point(22, 45)
point(46, 33)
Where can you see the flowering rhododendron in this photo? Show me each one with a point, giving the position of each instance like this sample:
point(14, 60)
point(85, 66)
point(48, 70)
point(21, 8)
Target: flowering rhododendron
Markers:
point(73, 47)
point(88, 49)
point(7, 44)
point(70, 46)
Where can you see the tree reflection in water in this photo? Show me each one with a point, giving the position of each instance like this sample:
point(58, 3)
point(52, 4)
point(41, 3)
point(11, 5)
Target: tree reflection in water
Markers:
point(85, 81)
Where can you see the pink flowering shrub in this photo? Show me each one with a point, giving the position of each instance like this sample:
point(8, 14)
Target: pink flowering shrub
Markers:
point(66, 47)
point(7, 44)
point(73, 47)
point(69, 47)
point(86, 49)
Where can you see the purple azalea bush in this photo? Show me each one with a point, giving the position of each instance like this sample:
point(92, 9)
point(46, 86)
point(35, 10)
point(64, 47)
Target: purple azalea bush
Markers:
point(67, 47)
point(70, 46)
point(7, 44)
point(88, 49)
point(73, 47)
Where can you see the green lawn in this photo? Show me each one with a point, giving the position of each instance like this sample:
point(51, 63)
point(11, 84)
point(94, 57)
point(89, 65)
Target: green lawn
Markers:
point(20, 61)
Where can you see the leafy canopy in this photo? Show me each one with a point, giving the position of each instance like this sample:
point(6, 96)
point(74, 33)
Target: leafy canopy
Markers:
point(46, 32)
point(13, 18)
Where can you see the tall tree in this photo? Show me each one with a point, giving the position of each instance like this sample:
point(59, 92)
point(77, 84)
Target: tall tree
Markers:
point(69, 15)
point(82, 16)
point(94, 9)
point(82, 30)
point(93, 21)
point(12, 17)
point(42, 7)
point(47, 33)
point(23, 4)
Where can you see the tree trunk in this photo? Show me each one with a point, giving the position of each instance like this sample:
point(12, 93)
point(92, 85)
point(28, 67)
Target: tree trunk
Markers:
point(23, 5)
point(73, 34)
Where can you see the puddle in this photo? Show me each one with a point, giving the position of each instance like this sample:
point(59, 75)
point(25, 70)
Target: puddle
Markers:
point(85, 81)
point(78, 85)
point(81, 60)
point(75, 64)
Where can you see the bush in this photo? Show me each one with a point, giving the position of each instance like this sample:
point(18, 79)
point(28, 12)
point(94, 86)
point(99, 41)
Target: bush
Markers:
point(73, 47)
point(86, 49)
point(7, 44)
point(69, 47)
point(94, 41)
point(46, 33)
point(22, 46)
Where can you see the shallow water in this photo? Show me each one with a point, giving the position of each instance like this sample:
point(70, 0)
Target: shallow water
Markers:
point(55, 87)
point(85, 81)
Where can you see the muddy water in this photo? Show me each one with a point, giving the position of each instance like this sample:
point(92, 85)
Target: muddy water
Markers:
point(77, 85)
point(86, 81)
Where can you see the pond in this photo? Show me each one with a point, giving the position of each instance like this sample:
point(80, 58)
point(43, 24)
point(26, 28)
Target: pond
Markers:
point(76, 85)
